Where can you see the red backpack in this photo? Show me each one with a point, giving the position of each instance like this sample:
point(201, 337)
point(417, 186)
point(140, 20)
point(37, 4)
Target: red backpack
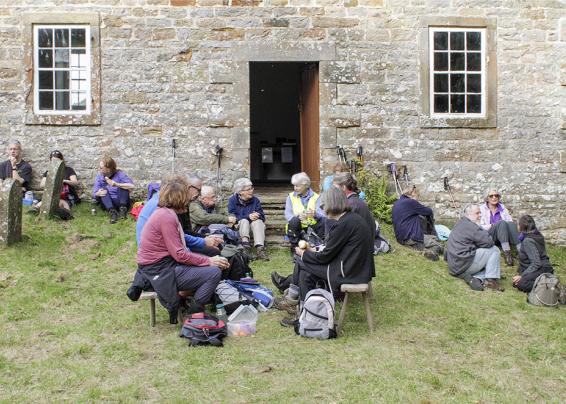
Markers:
point(203, 329)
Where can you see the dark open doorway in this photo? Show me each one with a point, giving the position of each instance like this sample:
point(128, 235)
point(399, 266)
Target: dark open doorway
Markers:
point(284, 121)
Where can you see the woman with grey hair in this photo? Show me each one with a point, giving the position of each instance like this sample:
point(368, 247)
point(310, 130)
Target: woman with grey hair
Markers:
point(249, 216)
point(346, 258)
point(302, 210)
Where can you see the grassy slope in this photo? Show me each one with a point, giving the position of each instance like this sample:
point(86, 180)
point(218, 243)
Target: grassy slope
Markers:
point(70, 333)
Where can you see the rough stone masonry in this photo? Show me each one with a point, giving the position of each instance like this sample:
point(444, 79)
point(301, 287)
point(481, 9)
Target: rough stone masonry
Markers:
point(178, 69)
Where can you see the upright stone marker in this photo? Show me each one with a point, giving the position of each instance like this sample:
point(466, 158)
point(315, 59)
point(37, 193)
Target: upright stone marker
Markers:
point(52, 191)
point(10, 212)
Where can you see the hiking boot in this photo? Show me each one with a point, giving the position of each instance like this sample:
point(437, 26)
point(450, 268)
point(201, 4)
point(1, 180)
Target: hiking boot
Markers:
point(476, 284)
point(123, 212)
point(289, 322)
point(508, 258)
point(280, 282)
point(261, 253)
point(286, 304)
point(34, 210)
point(113, 216)
point(493, 284)
point(134, 293)
point(431, 255)
point(437, 249)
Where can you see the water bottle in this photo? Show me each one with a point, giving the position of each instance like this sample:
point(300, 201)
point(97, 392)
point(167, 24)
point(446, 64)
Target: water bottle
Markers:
point(221, 313)
point(28, 196)
point(93, 211)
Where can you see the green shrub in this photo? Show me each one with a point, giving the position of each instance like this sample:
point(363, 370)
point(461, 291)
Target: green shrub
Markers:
point(379, 200)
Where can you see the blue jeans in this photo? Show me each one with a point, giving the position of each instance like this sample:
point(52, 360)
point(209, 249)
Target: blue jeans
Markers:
point(109, 202)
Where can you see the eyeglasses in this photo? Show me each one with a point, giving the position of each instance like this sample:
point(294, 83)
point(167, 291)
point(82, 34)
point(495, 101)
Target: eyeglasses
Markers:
point(494, 196)
point(192, 186)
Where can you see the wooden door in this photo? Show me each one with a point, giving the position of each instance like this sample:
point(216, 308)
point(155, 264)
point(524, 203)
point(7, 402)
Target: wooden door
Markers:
point(310, 133)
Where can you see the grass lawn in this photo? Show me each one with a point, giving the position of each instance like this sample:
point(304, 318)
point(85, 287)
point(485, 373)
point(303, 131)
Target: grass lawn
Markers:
point(69, 333)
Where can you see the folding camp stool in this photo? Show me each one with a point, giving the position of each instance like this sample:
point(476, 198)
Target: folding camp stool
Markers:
point(362, 288)
point(151, 296)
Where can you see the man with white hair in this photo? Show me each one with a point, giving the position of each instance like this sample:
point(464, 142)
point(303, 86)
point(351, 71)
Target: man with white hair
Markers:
point(471, 253)
point(203, 211)
point(249, 214)
point(302, 210)
point(15, 167)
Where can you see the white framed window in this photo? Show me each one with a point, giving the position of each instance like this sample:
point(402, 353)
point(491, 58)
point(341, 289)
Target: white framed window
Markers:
point(62, 69)
point(457, 63)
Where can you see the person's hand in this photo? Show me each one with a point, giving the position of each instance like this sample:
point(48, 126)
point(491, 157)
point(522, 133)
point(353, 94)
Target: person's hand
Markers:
point(302, 217)
point(212, 241)
point(110, 182)
point(254, 216)
point(13, 161)
point(218, 261)
point(309, 213)
point(231, 220)
point(101, 192)
point(516, 279)
point(299, 251)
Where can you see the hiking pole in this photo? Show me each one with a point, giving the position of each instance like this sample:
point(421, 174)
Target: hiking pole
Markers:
point(360, 154)
point(218, 153)
point(449, 189)
point(173, 149)
point(393, 170)
point(406, 175)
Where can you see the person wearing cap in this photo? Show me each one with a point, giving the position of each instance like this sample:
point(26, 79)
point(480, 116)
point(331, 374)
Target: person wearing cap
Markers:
point(15, 167)
point(496, 219)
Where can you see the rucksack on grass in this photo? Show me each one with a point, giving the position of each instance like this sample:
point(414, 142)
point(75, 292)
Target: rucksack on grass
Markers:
point(317, 315)
point(203, 329)
point(546, 291)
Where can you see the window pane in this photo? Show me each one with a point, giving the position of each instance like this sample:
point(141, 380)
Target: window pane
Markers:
point(440, 103)
point(474, 104)
point(78, 38)
point(46, 80)
point(61, 38)
point(46, 100)
point(61, 100)
point(45, 58)
point(457, 83)
point(441, 41)
point(474, 62)
point(61, 80)
point(61, 58)
point(440, 83)
point(474, 83)
point(441, 61)
point(78, 101)
point(45, 38)
point(473, 40)
point(78, 58)
point(457, 103)
point(457, 61)
point(456, 41)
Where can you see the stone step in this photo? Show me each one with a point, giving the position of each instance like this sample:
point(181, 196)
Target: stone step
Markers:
point(276, 240)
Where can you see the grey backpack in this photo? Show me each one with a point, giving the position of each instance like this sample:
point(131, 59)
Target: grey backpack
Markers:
point(317, 315)
point(546, 291)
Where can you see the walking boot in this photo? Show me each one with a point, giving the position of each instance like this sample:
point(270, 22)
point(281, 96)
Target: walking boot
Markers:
point(508, 258)
point(281, 282)
point(123, 212)
point(493, 284)
point(261, 253)
point(113, 216)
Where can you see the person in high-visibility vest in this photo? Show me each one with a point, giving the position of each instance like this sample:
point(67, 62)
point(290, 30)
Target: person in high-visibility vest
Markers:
point(302, 210)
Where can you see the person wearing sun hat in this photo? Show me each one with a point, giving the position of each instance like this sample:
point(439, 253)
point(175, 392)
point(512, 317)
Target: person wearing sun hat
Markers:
point(496, 219)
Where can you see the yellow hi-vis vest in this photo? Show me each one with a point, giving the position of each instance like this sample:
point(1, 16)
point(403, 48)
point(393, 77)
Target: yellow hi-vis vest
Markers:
point(298, 208)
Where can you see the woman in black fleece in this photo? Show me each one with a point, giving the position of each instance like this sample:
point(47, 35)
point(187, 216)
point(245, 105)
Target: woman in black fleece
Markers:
point(533, 259)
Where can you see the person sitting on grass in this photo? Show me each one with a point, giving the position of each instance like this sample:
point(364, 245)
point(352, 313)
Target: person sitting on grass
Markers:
point(15, 167)
point(346, 258)
point(112, 189)
point(495, 218)
point(302, 211)
point(203, 211)
point(413, 224)
point(339, 168)
point(195, 242)
point(533, 259)
point(165, 262)
point(249, 215)
point(471, 253)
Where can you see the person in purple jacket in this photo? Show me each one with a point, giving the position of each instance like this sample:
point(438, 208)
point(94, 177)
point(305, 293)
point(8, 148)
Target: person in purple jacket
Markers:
point(112, 189)
point(249, 215)
point(413, 224)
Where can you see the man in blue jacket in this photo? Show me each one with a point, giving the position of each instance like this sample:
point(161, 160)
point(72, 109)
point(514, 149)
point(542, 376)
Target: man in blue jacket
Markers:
point(413, 224)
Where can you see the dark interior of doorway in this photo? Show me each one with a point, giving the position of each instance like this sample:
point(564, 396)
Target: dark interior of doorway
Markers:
point(275, 121)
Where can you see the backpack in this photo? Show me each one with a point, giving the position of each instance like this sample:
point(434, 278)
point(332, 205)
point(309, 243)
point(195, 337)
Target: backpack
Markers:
point(254, 291)
point(239, 266)
point(317, 315)
point(546, 291)
point(203, 329)
point(231, 297)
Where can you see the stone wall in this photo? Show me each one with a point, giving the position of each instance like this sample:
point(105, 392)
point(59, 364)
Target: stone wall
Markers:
point(178, 69)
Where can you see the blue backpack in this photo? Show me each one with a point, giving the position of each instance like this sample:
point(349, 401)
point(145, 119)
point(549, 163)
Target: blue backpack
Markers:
point(254, 291)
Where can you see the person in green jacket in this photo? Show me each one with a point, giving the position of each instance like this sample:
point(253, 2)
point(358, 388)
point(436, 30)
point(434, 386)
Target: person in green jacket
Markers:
point(203, 211)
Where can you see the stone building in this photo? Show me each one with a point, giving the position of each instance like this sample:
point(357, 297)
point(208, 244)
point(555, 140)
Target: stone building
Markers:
point(470, 90)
